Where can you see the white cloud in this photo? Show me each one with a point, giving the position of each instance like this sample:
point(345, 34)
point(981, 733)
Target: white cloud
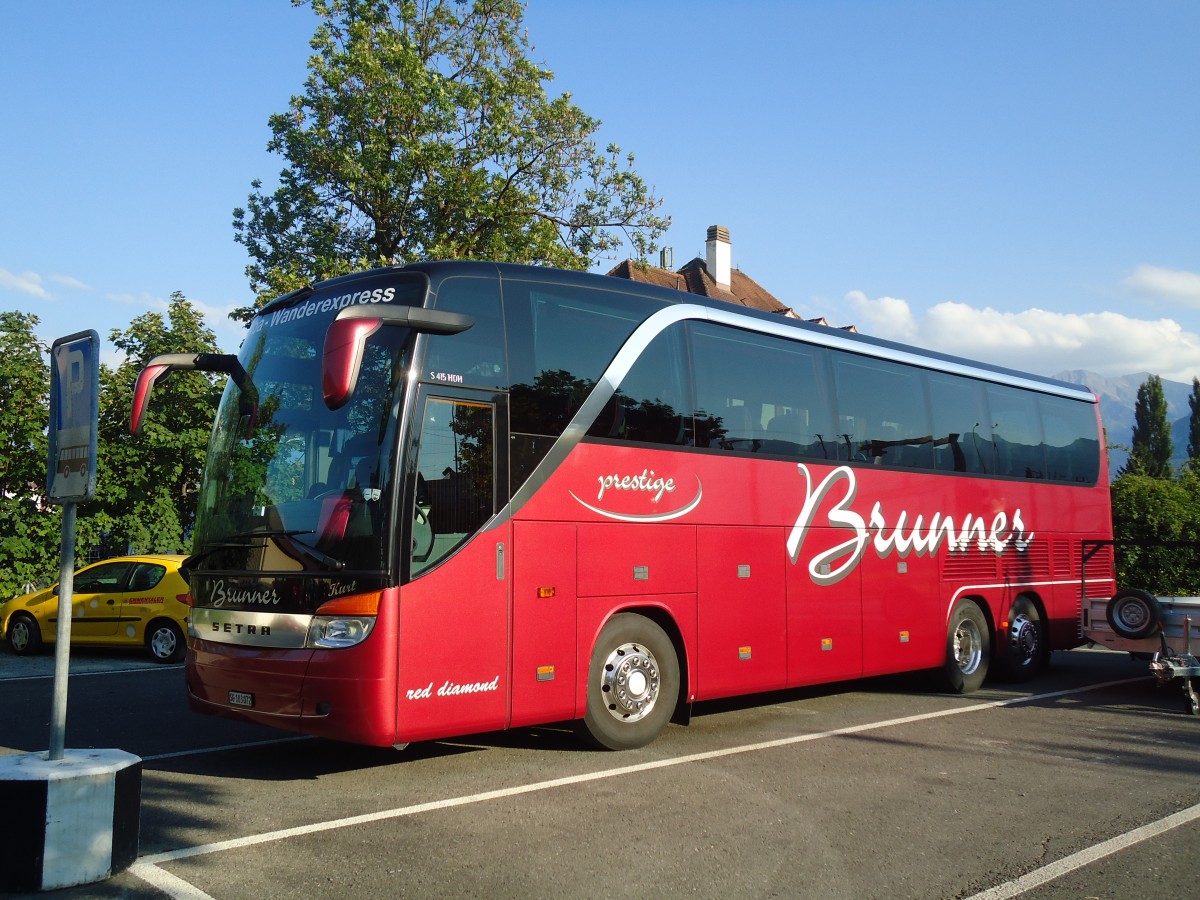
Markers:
point(1036, 340)
point(24, 282)
point(885, 316)
point(68, 281)
point(1167, 284)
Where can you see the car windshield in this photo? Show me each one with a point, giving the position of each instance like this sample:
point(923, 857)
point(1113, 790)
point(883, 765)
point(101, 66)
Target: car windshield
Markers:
point(290, 485)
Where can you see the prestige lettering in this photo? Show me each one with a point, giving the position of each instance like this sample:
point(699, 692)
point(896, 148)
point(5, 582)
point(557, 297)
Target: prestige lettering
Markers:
point(646, 482)
point(834, 564)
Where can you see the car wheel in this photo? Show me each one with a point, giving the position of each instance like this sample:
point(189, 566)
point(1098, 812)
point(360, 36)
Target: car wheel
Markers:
point(24, 636)
point(164, 640)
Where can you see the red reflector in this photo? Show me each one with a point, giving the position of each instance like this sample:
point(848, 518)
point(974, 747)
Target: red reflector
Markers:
point(185, 599)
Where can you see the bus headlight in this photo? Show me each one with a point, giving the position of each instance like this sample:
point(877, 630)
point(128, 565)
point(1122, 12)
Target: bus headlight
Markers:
point(337, 632)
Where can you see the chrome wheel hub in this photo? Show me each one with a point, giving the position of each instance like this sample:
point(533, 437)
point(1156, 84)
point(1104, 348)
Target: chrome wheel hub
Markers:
point(968, 646)
point(630, 681)
point(1024, 639)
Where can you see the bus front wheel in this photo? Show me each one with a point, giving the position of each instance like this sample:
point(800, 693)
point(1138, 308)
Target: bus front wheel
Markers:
point(633, 683)
point(968, 648)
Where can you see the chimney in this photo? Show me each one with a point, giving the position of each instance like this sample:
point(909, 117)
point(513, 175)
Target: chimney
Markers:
point(717, 254)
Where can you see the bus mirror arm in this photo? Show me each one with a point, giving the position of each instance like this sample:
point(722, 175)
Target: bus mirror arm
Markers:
point(161, 366)
point(348, 333)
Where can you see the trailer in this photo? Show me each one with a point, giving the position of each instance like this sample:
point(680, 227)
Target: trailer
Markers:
point(1159, 629)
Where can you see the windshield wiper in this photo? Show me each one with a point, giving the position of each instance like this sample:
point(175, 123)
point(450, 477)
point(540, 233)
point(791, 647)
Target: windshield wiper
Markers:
point(241, 540)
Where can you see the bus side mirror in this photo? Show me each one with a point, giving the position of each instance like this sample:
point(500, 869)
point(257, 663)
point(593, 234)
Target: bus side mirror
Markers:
point(161, 366)
point(146, 380)
point(347, 336)
point(342, 358)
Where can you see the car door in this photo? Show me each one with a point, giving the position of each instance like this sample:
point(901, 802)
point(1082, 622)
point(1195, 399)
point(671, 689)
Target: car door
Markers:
point(96, 599)
point(141, 598)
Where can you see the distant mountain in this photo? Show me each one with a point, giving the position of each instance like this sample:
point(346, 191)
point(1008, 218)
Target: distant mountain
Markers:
point(1118, 398)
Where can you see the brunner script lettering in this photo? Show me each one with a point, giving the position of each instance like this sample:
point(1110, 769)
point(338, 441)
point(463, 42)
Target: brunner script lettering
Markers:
point(219, 596)
point(897, 536)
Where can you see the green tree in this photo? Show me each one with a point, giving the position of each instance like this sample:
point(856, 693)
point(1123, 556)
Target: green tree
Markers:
point(1148, 511)
point(1151, 451)
point(30, 528)
point(146, 485)
point(425, 131)
point(1193, 445)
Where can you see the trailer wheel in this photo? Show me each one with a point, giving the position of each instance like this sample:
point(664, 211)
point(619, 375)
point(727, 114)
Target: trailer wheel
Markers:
point(968, 648)
point(1133, 614)
point(1025, 649)
point(633, 683)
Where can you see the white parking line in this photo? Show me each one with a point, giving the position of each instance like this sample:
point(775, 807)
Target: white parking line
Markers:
point(147, 867)
point(1086, 857)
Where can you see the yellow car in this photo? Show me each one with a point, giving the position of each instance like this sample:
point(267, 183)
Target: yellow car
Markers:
point(128, 601)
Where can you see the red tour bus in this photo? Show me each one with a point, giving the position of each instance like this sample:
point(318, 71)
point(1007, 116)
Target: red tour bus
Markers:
point(458, 497)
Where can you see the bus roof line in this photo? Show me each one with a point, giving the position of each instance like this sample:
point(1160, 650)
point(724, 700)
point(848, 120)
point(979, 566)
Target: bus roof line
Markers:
point(659, 321)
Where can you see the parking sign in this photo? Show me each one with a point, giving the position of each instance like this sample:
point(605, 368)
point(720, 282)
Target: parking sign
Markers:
point(74, 404)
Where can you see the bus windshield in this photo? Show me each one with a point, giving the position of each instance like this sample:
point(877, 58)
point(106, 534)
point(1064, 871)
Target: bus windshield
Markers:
point(293, 486)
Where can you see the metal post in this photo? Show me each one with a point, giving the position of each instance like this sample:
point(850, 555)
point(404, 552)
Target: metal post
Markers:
point(62, 645)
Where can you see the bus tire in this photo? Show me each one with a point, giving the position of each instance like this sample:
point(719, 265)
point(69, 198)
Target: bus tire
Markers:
point(1133, 614)
point(968, 649)
point(633, 683)
point(24, 636)
point(1025, 649)
point(165, 641)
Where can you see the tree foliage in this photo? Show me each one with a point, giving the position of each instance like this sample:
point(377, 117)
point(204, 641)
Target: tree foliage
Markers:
point(29, 527)
point(1148, 511)
point(425, 131)
point(1193, 444)
point(1152, 448)
point(146, 485)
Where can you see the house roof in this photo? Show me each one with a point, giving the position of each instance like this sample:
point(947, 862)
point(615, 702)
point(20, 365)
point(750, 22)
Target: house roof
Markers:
point(694, 278)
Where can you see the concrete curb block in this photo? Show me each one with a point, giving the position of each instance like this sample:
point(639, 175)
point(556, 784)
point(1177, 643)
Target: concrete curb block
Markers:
point(69, 821)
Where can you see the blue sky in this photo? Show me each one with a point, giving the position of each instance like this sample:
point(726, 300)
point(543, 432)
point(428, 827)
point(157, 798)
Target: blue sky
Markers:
point(1017, 182)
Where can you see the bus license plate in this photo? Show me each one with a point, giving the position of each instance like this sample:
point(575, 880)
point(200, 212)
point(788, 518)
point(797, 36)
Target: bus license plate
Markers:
point(240, 698)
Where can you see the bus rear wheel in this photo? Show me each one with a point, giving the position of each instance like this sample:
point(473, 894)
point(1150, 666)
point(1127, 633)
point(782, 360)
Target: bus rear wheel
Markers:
point(968, 649)
point(1026, 650)
point(633, 683)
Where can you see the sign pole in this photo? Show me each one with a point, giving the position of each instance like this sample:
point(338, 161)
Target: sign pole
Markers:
point(62, 644)
point(76, 813)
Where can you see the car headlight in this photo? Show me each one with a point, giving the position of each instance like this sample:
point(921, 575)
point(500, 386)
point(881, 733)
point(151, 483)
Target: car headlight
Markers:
point(338, 632)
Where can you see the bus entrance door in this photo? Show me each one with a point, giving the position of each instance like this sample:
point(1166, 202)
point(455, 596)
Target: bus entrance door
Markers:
point(454, 608)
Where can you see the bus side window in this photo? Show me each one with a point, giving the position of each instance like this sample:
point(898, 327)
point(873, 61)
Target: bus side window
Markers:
point(781, 410)
point(476, 356)
point(1072, 451)
point(1016, 433)
point(652, 404)
point(962, 431)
